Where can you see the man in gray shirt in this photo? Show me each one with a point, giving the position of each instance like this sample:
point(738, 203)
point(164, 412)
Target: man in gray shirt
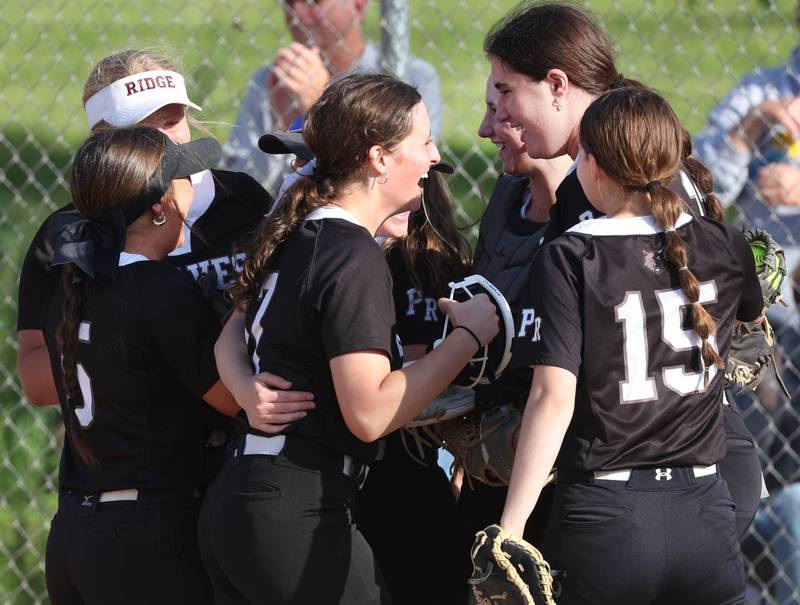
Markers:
point(329, 43)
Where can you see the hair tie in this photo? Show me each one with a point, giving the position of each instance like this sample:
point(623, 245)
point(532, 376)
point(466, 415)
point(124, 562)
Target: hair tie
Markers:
point(618, 81)
point(670, 229)
point(318, 174)
point(471, 333)
point(650, 187)
point(684, 268)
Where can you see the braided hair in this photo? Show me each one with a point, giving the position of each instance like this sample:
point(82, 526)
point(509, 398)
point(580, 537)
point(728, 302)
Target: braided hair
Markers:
point(638, 141)
point(110, 168)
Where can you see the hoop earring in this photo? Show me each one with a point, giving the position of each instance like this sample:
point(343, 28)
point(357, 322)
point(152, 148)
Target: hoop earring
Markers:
point(159, 220)
point(558, 104)
point(385, 178)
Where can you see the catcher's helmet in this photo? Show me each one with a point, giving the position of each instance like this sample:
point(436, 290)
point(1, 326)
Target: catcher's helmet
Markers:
point(490, 360)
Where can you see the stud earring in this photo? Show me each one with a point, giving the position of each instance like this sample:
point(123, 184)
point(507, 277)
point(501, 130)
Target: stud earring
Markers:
point(159, 220)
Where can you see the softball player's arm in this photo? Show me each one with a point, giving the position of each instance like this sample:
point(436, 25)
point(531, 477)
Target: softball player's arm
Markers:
point(551, 342)
point(376, 401)
point(37, 282)
point(33, 366)
point(548, 412)
point(264, 397)
point(220, 398)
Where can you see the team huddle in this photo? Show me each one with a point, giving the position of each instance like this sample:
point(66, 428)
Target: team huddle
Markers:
point(255, 390)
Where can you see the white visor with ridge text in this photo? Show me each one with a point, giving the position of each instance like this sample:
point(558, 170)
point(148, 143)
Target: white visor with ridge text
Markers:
point(133, 98)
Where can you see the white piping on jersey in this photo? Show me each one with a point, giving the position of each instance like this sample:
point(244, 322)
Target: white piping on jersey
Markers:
point(637, 225)
point(333, 212)
point(126, 258)
point(527, 198)
point(692, 191)
point(257, 330)
point(204, 192)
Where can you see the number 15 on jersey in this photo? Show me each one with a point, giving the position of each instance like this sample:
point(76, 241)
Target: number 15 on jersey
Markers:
point(639, 386)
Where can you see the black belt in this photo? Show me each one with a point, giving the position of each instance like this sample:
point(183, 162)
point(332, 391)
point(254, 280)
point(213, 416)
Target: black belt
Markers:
point(302, 452)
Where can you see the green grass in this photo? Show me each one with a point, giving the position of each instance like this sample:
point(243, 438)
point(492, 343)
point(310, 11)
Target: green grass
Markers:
point(692, 51)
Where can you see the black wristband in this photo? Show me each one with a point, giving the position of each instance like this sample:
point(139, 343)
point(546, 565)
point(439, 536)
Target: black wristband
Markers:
point(471, 333)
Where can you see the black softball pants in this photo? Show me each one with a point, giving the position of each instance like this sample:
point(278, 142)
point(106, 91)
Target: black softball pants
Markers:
point(407, 512)
point(278, 530)
point(126, 553)
point(741, 468)
point(659, 538)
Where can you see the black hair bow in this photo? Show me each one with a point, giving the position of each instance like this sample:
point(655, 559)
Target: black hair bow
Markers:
point(93, 244)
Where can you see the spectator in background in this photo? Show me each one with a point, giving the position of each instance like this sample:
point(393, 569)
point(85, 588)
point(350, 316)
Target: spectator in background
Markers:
point(752, 146)
point(777, 537)
point(329, 43)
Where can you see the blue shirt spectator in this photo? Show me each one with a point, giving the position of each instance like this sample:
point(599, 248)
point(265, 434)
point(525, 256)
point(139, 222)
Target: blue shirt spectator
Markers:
point(749, 145)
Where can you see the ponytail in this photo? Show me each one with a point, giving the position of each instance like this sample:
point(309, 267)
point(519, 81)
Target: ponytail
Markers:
point(263, 250)
point(621, 81)
point(666, 208)
point(702, 177)
point(67, 339)
point(636, 138)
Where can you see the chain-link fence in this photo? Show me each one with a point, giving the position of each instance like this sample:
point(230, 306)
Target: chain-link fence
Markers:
point(692, 51)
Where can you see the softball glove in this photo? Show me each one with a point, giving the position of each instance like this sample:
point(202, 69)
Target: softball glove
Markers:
point(508, 571)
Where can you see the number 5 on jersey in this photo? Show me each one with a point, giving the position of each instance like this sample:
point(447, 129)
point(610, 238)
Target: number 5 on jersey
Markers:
point(638, 387)
point(84, 412)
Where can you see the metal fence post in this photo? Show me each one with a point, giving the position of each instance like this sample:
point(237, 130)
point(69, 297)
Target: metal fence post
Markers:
point(394, 37)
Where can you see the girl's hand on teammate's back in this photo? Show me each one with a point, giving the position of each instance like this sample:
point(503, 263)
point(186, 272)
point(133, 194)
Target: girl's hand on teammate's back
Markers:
point(270, 408)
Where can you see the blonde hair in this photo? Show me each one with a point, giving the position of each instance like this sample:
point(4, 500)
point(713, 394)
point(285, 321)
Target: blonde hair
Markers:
point(120, 65)
point(123, 64)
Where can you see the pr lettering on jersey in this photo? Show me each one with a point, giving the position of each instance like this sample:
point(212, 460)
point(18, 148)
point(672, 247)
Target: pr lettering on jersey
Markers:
point(415, 299)
point(148, 83)
point(224, 267)
point(532, 321)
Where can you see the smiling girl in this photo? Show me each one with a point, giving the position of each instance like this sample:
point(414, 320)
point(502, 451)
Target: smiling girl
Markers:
point(549, 62)
point(635, 324)
point(277, 523)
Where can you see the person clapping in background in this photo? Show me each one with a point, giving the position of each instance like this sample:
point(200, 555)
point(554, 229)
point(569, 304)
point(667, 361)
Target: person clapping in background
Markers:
point(329, 43)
